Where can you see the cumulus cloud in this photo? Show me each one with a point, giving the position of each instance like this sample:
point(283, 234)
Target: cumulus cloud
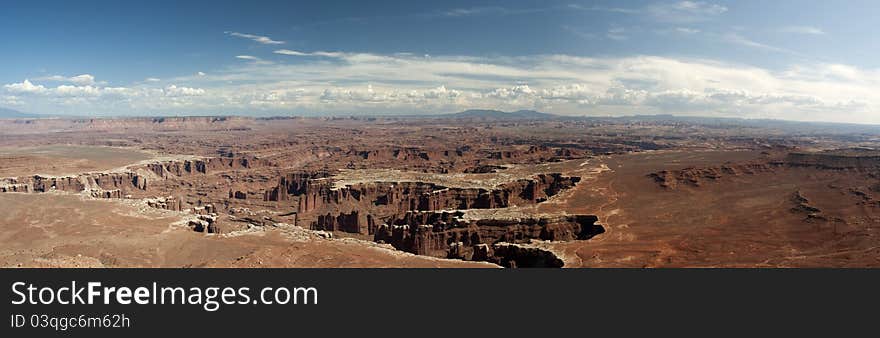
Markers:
point(82, 80)
point(96, 98)
point(174, 90)
point(257, 38)
point(10, 100)
point(66, 90)
point(515, 92)
point(24, 87)
point(562, 84)
point(439, 92)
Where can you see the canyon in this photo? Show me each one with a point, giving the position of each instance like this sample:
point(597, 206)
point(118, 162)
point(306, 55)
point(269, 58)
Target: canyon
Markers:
point(457, 191)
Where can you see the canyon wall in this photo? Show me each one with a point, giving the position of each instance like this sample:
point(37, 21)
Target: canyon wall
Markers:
point(838, 160)
point(448, 234)
point(360, 207)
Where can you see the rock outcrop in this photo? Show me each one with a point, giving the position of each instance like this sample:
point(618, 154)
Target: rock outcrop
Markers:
point(204, 166)
point(695, 177)
point(165, 203)
point(388, 199)
point(512, 255)
point(351, 222)
point(426, 218)
point(443, 233)
point(857, 159)
point(841, 159)
point(96, 184)
point(293, 184)
point(205, 223)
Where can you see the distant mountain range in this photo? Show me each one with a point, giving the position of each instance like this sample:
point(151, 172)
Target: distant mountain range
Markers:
point(715, 122)
point(14, 114)
point(497, 114)
point(491, 114)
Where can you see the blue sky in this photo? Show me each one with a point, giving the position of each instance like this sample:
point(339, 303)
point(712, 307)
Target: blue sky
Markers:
point(801, 60)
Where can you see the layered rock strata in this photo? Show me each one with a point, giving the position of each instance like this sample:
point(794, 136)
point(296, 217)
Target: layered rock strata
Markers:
point(449, 234)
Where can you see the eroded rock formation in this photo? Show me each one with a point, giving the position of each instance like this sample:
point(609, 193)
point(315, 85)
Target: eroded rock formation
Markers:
point(841, 159)
point(512, 255)
point(695, 177)
point(318, 196)
point(293, 184)
point(445, 234)
point(203, 166)
point(426, 218)
point(857, 159)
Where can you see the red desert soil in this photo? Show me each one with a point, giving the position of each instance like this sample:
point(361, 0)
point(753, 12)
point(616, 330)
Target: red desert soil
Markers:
point(65, 159)
point(744, 220)
point(54, 230)
point(437, 192)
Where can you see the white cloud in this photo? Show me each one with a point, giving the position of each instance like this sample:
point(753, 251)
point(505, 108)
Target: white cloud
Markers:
point(174, 90)
point(475, 11)
point(81, 91)
point(699, 7)
point(152, 79)
point(439, 92)
point(200, 73)
point(686, 30)
point(258, 38)
point(291, 52)
point(406, 83)
point(515, 92)
point(24, 87)
point(10, 100)
point(743, 41)
point(252, 59)
point(52, 78)
point(328, 54)
point(317, 53)
point(802, 30)
point(685, 11)
point(680, 11)
point(494, 10)
point(118, 92)
point(603, 9)
point(83, 79)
